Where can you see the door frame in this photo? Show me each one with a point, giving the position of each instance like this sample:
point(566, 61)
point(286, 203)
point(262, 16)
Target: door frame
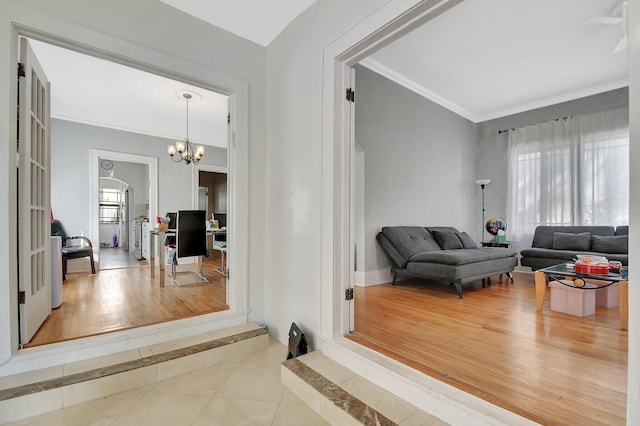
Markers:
point(387, 24)
point(231, 249)
point(105, 46)
point(394, 19)
point(390, 22)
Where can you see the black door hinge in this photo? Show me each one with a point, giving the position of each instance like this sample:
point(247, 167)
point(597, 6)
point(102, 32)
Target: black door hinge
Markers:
point(21, 298)
point(229, 118)
point(348, 293)
point(351, 95)
point(21, 72)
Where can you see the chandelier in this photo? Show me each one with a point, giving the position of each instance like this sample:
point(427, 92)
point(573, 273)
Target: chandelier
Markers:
point(185, 148)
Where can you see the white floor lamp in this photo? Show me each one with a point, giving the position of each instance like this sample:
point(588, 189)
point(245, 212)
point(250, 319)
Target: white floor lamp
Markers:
point(482, 183)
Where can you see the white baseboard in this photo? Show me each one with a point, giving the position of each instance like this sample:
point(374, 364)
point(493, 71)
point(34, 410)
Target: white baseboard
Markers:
point(369, 278)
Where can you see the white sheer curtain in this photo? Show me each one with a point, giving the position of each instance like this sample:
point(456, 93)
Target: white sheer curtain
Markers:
point(571, 171)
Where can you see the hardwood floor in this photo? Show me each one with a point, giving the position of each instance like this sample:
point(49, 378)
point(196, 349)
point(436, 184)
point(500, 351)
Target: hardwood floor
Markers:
point(114, 258)
point(118, 299)
point(553, 368)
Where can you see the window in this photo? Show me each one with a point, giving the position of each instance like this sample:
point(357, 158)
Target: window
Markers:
point(109, 205)
point(572, 171)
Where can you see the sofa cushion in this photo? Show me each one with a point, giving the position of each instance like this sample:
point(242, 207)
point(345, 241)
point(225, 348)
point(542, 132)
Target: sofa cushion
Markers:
point(543, 236)
point(561, 255)
point(622, 230)
point(466, 240)
point(391, 251)
point(442, 228)
point(409, 240)
point(463, 272)
point(618, 244)
point(463, 257)
point(447, 240)
point(570, 241)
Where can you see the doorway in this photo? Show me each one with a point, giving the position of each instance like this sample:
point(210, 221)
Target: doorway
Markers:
point(104, 165)
point(339, 57)
point(123, 217)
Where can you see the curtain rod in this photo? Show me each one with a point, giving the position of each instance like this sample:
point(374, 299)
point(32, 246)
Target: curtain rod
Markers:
point(555, 119)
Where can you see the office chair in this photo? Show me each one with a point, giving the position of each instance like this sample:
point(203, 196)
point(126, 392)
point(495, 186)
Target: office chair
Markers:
point(191, 240)
point(70, 251)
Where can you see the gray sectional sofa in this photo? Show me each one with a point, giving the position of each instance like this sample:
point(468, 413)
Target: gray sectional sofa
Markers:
point(553, 245)
point(443, 254)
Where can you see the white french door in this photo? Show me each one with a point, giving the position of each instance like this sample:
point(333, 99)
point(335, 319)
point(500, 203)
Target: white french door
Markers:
point(34, 199)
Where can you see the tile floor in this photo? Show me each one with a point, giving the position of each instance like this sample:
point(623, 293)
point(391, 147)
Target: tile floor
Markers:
point(244, 391)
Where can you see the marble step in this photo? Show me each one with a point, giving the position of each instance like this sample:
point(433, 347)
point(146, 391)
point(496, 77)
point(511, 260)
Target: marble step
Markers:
point(42, 391)
point(342, 397)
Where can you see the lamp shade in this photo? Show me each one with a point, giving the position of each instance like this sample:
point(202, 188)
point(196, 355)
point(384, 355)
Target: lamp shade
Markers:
point(483, 181)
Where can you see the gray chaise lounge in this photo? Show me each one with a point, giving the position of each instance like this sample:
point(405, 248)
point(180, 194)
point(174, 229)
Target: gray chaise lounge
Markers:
point(415, 251)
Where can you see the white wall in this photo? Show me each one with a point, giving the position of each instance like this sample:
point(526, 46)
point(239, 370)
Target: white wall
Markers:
point(419, 163)
point(137, 32)
point(293, 190)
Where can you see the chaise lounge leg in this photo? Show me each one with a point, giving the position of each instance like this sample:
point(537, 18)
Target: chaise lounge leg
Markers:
point(459, 288)
point(510, 277)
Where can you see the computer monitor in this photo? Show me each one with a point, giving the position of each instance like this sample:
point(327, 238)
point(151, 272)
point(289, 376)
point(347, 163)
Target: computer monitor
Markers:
point(221, 218)
point(172, 221)
point(222, 223)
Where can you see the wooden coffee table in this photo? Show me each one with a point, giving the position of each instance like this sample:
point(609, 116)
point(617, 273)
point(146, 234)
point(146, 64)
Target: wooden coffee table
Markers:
point(562, 271)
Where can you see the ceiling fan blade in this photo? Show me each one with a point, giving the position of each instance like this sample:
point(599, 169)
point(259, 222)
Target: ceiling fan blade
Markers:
point(606, 20)
point(622, 45)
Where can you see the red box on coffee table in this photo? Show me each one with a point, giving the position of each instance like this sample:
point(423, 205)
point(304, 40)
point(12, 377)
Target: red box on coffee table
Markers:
point(592, 268)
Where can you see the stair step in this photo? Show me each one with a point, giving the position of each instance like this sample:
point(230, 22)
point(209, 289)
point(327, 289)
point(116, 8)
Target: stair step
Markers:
point(38, 392)
point(342, 397)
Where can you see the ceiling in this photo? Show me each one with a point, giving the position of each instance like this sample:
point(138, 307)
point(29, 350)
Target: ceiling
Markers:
point(257, 20)
point(483, 59)
point(89, 90)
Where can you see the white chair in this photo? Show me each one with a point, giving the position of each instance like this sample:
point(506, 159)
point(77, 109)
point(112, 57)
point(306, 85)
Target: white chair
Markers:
point(221, 246)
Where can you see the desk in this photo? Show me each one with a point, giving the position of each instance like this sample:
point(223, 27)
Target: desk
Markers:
point(157, 249)
point(561, 271)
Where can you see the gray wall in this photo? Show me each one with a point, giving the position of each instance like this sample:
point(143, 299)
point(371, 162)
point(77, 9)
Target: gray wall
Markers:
point(71, 169)
point(491, 147)
point(417, 152)
point(419, 161)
